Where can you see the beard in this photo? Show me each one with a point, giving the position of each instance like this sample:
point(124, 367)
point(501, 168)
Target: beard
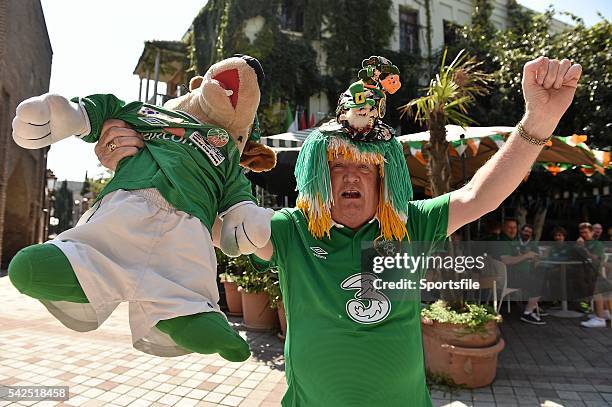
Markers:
point(357, 121)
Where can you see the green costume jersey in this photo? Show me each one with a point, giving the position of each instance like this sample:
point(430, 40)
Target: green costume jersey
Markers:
point(198, 173)
point(331, 358)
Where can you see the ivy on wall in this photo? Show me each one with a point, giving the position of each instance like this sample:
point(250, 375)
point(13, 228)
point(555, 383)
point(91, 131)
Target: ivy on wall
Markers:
point(347, 31)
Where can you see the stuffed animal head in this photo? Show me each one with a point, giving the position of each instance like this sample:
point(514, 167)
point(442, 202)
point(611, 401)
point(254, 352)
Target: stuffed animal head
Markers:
point(228, 96)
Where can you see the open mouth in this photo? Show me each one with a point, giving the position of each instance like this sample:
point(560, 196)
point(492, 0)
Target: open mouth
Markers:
point(351, 194)
point(230, 81)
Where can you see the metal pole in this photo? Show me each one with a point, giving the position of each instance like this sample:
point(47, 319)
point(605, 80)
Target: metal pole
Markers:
point(140, 89)
point(156, 75)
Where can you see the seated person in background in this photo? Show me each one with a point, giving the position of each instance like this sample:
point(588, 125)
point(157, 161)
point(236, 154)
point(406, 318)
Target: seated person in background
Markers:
point(587, 247)
point(525, 239)
point(519, 262)
point(591, 251)
point(559, 250)
point(597, 231)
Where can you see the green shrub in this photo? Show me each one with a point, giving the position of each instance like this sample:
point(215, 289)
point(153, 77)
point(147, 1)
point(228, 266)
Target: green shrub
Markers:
point(251, 280)
point(473, 316)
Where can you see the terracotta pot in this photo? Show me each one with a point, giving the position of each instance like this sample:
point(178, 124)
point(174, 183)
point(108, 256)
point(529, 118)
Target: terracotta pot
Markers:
point(459, 335)
point(256, 312)
point(468, 359)
point(283, 321)
point(233, 299)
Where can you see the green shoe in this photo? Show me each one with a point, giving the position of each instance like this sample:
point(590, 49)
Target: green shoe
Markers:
point(206, 333)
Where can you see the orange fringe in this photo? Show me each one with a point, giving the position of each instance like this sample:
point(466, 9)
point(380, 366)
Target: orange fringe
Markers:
point(320, 225)
point(319, 220)
point(349, 152)
point(392, 227)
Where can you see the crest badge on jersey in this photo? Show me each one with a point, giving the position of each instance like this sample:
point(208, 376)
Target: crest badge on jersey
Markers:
point(217, 137)
point(214, 154)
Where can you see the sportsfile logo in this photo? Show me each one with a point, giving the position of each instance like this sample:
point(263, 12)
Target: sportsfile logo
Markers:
point(318, 252)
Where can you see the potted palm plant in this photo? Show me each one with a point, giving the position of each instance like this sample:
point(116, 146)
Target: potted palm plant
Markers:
point(228, 272)
point(254, 286)
point(461, 341)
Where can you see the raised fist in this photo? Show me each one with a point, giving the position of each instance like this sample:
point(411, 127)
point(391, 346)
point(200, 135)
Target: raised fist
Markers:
point(46, 119)
point(245, 229)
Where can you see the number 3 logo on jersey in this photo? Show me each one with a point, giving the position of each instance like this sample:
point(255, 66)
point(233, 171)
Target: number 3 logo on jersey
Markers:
point(369, 305)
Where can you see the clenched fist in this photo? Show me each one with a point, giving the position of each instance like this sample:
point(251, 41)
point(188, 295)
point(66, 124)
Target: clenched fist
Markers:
point(46, 119)
point(245, 229)
point(549, 86)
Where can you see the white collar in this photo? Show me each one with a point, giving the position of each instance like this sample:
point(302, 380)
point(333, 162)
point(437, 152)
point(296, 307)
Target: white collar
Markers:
point(340, 226)
point(337, 225)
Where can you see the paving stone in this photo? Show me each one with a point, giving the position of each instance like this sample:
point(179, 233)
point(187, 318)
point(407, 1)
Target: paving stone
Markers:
point(590, 396)
point(546, 393)
point(568, 395)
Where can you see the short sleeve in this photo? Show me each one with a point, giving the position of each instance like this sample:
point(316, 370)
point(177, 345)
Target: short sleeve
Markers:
point(237, 187)
point(428, 219)
point(282, 234)
point(99, 108)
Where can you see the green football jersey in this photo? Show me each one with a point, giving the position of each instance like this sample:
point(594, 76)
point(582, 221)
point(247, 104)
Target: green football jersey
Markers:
point(198, 173)
point(349, 343)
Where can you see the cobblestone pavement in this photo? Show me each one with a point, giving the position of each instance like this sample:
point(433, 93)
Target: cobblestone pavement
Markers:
point(556, 365)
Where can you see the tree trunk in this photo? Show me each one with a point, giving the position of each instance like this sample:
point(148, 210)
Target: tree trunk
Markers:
point(538, 221)
point(521, 214)
point(439, 163)
point(440, 177)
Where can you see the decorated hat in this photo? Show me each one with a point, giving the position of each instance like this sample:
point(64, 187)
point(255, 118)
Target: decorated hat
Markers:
point(377, 145)
point(358, 97)
point(382, 64)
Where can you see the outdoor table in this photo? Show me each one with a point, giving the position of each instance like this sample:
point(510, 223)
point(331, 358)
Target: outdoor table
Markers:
point(564, 312)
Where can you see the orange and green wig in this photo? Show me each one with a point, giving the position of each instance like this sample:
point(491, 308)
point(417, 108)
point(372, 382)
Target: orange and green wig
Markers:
point(314, 185)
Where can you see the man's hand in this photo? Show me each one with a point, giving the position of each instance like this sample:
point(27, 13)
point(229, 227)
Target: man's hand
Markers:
point(126, 142)
point(549, 86)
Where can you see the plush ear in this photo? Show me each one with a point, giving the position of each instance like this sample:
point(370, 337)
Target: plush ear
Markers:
point(195, 82)
point(257, 157)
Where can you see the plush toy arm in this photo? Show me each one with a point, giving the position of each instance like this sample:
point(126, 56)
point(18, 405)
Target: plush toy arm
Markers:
point(246, 228)
point(46, 119)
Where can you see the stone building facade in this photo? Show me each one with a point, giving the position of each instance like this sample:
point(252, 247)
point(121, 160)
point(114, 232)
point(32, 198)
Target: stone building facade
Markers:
point(25, 70)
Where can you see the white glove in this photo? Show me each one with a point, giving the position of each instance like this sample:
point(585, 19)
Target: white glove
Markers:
point(246, 228)
point(46, 119)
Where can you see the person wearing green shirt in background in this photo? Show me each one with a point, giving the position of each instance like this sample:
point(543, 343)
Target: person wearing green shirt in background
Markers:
point(518, 256)
point(592, 250)
point(348, 343)
point(525, 239)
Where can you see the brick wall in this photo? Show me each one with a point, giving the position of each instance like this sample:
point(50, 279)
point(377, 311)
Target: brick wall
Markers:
point(25, 70)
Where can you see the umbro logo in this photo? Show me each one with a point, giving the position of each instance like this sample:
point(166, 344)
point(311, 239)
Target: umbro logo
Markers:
point(318, 252)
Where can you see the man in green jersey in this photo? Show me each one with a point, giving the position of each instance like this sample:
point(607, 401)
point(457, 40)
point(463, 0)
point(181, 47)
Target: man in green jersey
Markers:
point(349, 344)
